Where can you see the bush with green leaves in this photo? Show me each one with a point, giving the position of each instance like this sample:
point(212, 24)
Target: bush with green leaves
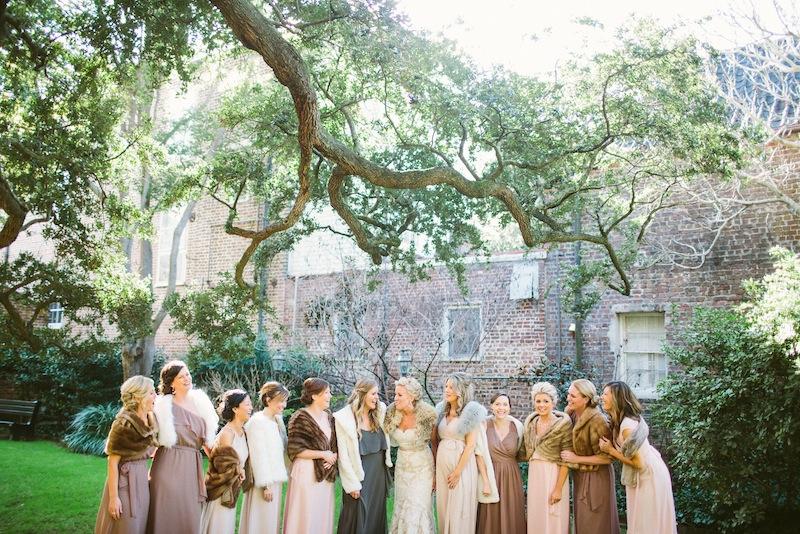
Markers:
point(89, 429)
point(733, 414)
point(63, 382)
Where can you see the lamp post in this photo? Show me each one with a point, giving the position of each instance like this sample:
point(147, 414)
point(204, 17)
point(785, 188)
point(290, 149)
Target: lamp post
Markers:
point(404, 361)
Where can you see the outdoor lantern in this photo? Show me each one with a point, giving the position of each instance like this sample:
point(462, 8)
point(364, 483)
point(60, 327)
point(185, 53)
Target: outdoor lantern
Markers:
point(404, 361)
point(278, 360)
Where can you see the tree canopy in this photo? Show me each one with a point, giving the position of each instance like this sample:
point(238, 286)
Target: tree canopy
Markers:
point(397, 131)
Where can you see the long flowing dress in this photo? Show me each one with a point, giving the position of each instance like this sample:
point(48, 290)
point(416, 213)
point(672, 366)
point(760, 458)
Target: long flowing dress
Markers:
point(132, 485)
point(413, 484)
point(457, 508)
point(651, 508)
point(309, 504)
point(507, 515)
point(217, 518)
point(177, 488)
point(367, 514)
point(543, 517)
point(258, 515)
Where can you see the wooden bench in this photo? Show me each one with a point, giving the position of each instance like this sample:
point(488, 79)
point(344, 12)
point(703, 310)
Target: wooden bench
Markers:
point(20, 415)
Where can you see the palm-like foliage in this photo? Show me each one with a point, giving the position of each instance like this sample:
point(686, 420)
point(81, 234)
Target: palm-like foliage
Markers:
point(89, 429)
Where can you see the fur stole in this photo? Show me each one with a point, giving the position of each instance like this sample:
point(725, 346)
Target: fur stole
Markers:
point(472, 417)
point(425, 416)
point(266, 441)
point(630, 475)
point(586, 433)
point(305, 434)
point(223, 479)
point(517, 425)
point(549, 446)
point(162, 408)
point(351, 471)
point(130, 437)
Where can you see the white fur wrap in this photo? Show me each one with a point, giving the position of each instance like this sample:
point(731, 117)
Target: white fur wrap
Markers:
point(266, 441)
point(199, 404)
point(350, 469)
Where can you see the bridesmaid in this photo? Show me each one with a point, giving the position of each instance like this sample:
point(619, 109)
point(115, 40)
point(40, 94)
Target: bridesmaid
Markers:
point(363, 461)
point(409, 422)
point(266, 439)
point(226, 465)
point(186, 422)
point(126, 495)
point(547, 433)
point(648, 487)
point(458, 466)
point(504, 434)
point(595, 500)
point(312, 449)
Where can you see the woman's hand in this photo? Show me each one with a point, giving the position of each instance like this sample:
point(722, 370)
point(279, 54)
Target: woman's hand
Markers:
point(115, 508)
point(555, 496)
point(328, 459)
point(355, 494)
point(452, 479)
point(569, 456)
point(268, 494)
point(487, 488)
point(605, 445)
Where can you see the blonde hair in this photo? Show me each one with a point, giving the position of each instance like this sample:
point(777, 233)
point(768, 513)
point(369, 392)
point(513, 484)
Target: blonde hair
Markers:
point(462, 385)
point(133, 390)
point(359, 407)
point(413, 387)
point(545, 388)
point(588, 390)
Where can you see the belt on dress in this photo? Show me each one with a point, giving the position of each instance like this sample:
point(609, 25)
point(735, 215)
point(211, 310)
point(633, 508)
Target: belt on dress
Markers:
point(134, 481)
point(202, 496)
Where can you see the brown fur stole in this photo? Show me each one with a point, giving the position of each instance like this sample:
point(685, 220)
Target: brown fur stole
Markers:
point(222, 480)
point(130, 437)
point(549, 445)
point(305, 434)
point(589, 428)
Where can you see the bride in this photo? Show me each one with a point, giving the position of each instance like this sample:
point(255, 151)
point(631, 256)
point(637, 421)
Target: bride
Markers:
point(408, 423)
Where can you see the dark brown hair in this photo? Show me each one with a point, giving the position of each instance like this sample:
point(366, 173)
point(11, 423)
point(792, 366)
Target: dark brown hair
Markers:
point(313, 386)
point(230, 399)
point(271, 390)
point(168, 374)
point(498, 395)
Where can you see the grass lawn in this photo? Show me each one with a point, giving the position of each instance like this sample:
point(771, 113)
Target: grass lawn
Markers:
point(44, 488)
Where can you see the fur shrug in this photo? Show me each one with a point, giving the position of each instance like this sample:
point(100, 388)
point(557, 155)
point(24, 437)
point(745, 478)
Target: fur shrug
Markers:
point(130, 437)
point(586, 433)
point(549, 446)
point(472, 417)
point(351, 471)
point(425, 416)
point(305, 434)
point(637, 437)
point(224, 476)
point(162, 408)
point(266, 441)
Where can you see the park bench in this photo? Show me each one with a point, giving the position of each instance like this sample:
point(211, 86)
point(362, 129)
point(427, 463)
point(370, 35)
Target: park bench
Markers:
point(20, 415)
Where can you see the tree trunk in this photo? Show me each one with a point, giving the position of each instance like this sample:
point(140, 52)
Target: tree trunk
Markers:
point(138, 356)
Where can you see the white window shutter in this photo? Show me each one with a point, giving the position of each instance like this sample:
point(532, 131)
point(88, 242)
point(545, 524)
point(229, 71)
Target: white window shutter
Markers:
point(524, 281)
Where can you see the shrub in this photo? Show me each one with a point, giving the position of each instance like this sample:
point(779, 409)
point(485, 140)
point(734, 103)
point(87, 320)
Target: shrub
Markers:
point(89, 429)
point(732, 411)
point(63, 383)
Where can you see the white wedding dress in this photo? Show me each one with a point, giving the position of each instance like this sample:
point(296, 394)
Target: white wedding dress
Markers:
point(413, 485)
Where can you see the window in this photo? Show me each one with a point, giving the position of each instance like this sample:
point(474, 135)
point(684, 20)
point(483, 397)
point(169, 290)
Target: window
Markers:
point(642, 360)
point(55, 318)
point(167, 223)
point(462, 332)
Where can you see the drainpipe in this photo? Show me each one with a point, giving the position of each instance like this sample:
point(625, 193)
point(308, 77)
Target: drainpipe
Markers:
point(576, 228)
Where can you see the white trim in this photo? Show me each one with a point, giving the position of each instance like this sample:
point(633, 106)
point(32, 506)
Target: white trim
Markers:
point(622, 372)
point(55, 307)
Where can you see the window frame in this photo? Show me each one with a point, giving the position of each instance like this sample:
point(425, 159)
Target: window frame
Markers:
point(58, 308)
point(647, 392)
point(446, 330)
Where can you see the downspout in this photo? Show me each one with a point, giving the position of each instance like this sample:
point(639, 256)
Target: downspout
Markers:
point(576, 229)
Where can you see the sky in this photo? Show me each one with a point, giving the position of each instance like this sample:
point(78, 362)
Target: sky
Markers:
point(532, 36)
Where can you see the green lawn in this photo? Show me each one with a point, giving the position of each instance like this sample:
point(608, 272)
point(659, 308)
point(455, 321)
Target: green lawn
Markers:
point(44, 488)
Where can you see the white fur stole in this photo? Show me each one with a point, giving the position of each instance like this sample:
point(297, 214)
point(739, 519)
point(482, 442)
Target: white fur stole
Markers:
point(266, 442)
point(162, 408)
